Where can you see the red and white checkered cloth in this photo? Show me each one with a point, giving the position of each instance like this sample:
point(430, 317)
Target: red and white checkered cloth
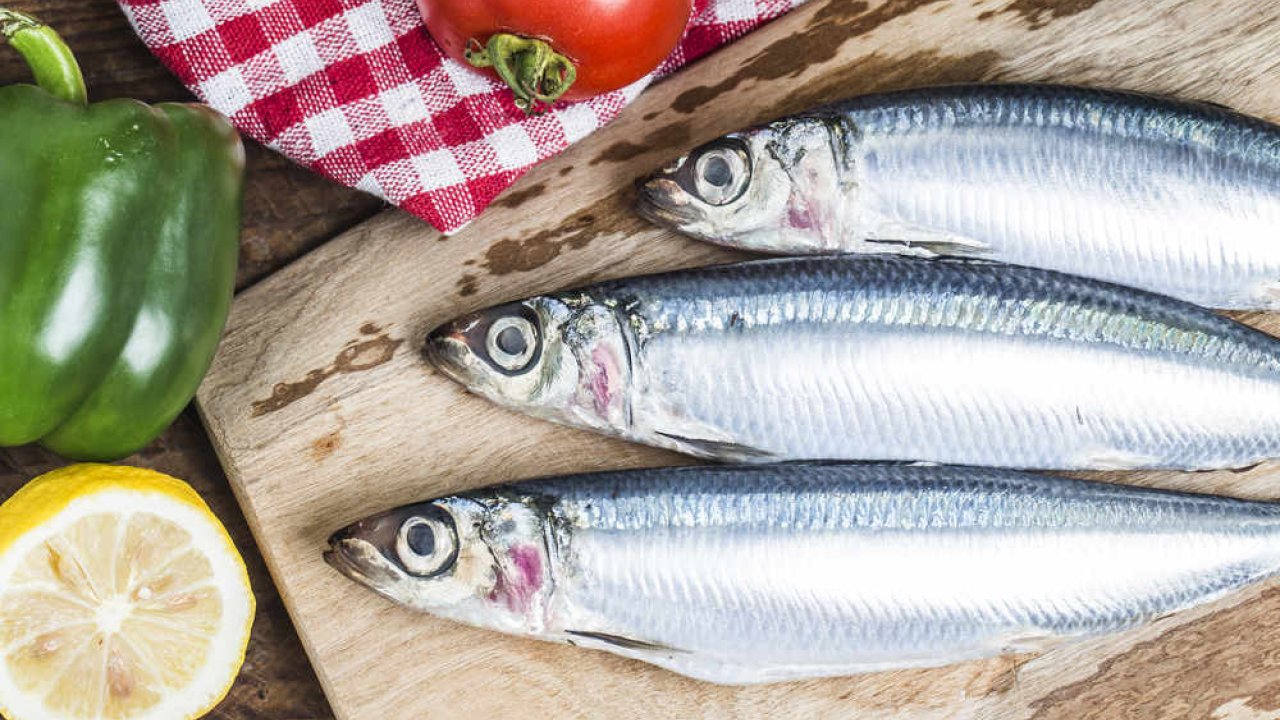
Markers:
point(356, 90)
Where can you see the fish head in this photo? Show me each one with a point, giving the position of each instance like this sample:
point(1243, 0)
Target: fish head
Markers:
point(476, 559)
point(774, 188)
point(562, 358)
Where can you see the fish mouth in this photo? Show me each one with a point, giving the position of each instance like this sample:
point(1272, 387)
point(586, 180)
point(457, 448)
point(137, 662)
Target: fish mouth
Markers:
point(351, 556)
point(662, 201)
point(446, 349)
point(340, 559)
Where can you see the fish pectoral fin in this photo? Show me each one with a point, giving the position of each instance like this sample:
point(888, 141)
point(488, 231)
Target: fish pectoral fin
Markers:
point(1112, 459)
point(1032, 641)
point(925, 242)
point(625, 643)
point(720, 449)
point(1247, 468)
point(1266, 295)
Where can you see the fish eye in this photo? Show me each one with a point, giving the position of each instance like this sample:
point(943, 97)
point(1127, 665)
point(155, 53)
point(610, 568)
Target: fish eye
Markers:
point(716, 171)
point(426, 546)
point(721, 173)
point(511, 342)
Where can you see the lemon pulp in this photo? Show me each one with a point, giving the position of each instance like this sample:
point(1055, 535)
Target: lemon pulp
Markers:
point(121, 596)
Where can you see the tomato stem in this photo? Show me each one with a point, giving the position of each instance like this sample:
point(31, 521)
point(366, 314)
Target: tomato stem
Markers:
point(530, 67)
point(51, 61)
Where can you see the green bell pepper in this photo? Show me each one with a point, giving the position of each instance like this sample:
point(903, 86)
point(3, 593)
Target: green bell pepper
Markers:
point(119, 237)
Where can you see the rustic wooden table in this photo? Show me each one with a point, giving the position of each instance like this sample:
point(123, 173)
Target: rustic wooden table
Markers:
point(288, 211)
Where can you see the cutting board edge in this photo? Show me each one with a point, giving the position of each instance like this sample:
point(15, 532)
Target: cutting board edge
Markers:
point(267, 549)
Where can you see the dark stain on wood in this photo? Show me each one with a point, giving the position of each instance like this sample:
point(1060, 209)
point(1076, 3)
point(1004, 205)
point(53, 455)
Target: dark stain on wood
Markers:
point(611, 215)
point(1039, 13)
point(510, 256)
point(619, 152)
point(287, 393)
point(516, 198)
point(1173, 670)
point(467, 285)
point(358, 356)
point(879, 72)
point(832, 26)
point(673, 135)
point(565, 170)
point(325, 446)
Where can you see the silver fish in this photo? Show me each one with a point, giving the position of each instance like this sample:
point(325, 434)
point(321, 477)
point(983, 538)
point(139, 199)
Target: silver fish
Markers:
point(765, 573)
point(1180, 198)
point(879, 357)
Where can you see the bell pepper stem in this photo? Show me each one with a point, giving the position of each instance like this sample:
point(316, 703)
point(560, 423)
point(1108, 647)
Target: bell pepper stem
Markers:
point(530, 67)
point(52, 62)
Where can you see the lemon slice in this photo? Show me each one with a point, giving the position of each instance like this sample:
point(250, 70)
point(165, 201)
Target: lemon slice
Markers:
point(121, 596)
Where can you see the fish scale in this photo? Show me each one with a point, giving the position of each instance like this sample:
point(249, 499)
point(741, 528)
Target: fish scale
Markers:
point(760, 573)
point(885, 357)
point(1182, 198)
point(934, 174)
point(891, 358)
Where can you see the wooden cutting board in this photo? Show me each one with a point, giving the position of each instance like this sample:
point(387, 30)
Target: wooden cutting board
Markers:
point(323, 411)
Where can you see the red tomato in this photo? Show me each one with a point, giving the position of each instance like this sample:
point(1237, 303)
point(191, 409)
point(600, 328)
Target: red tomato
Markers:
point(611, 43)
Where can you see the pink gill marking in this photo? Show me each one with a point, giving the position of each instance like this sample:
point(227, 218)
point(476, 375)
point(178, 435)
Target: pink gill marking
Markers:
point(518, 590)
point(602, 380)
point(799, 217)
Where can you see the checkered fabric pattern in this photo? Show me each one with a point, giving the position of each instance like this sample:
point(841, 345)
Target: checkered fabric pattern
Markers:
point(357, 91)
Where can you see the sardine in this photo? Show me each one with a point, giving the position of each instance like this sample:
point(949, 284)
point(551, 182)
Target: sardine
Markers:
point(865, 357)
point(1181, 198)
point(764, 573)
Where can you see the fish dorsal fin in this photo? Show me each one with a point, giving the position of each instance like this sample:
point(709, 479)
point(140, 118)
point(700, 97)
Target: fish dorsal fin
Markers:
point(719, 449)
point(625, 643)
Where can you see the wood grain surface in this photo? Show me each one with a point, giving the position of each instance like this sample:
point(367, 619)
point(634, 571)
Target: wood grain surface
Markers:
point(323, 410)
point(288, 210)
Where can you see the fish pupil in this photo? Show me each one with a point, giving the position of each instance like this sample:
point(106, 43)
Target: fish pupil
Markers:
point(421, 540)
point(511, 341)
point(717, 172)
